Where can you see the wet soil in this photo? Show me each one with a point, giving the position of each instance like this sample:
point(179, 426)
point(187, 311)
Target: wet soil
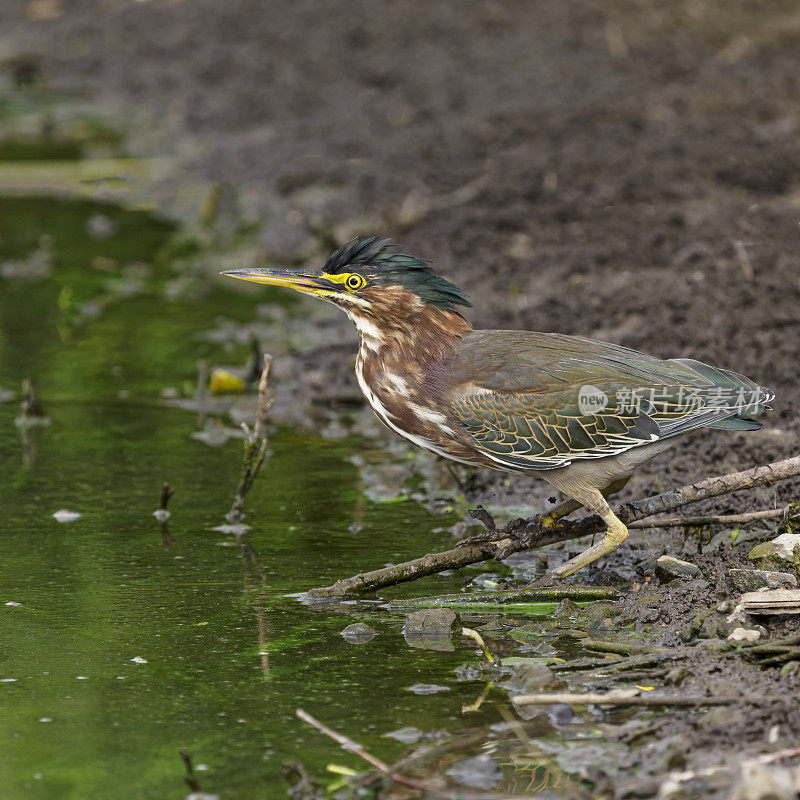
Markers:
point(620, 170)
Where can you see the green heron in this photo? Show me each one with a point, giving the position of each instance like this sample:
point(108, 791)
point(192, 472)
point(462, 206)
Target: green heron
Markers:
point(579, 413)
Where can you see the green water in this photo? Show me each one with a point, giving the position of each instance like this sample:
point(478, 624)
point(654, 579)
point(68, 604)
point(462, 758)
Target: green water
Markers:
point(223, 656)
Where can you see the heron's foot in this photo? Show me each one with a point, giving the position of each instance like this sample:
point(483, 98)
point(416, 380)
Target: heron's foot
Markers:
point(616, 534)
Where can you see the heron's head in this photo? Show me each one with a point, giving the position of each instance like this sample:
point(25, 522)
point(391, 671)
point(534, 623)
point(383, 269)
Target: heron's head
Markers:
point(375, 286)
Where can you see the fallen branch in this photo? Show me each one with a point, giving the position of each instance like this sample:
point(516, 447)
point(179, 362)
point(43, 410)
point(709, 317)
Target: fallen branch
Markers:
point(536, 594)
point(521, 534)
point(632, 697)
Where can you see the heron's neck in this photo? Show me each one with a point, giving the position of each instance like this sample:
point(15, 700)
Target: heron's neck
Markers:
point(423, 336)
point(401, 357)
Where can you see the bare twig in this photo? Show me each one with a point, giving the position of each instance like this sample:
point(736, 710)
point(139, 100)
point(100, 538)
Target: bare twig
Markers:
point(633, 697)
point(521, 534)
point(716, 519)
point(255, 445)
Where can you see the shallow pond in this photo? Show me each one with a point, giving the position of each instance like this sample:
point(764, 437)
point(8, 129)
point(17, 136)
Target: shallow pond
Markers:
point(123, 643)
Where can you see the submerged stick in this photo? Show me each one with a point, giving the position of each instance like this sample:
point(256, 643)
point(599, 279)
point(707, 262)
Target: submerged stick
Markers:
point(521, 534)
point(162, 514)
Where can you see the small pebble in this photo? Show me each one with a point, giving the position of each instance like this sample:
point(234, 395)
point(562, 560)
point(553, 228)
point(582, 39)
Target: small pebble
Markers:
point(668, 568)
point(743, 635)
point(358, 633)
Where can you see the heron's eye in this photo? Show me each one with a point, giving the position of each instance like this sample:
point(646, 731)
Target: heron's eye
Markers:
point(354, 282)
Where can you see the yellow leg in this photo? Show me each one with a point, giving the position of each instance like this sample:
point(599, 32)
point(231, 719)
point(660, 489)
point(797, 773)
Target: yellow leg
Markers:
point(566, 507)
point(616, 534)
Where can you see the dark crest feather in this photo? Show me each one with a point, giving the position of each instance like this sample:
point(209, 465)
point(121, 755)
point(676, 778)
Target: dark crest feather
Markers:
point(414, 273)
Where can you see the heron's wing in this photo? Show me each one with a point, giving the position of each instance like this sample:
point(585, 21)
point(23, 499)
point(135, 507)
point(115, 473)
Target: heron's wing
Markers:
point(541, 401)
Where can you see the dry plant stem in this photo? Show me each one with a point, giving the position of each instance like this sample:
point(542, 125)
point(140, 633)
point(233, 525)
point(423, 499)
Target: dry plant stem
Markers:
point(523, 534)
point(623, 698)
point(255, 445)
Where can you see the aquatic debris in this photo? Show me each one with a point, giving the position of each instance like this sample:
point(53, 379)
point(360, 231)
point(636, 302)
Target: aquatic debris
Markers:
point(427, 688)
point(139, 660)
point(5, 395)
point(65, 515)
point(223, 381)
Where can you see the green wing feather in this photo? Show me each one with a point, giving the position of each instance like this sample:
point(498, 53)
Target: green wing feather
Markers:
point(520, 398)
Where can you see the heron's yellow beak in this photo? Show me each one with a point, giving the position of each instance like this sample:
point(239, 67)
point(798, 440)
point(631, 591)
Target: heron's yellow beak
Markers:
point(308, 281)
